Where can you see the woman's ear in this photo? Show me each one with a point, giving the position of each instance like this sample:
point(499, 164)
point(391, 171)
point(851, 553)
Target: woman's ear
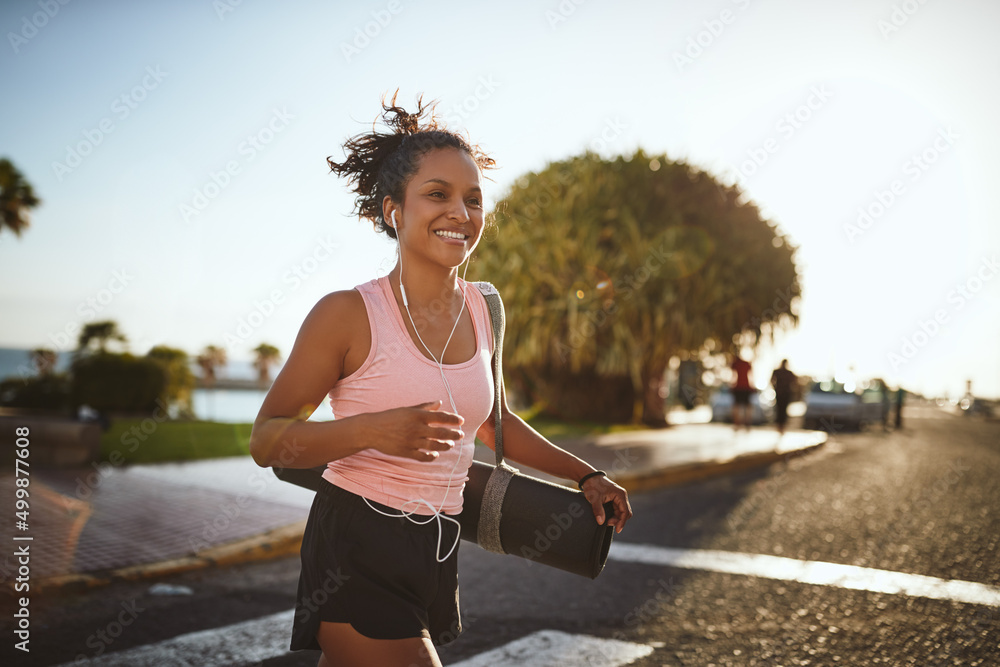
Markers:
point(388, 211)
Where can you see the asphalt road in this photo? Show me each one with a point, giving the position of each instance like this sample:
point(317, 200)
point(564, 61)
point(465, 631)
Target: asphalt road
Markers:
point(924, 500)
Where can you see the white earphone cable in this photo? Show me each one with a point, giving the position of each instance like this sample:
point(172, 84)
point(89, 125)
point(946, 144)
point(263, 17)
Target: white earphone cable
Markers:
point(437, 512)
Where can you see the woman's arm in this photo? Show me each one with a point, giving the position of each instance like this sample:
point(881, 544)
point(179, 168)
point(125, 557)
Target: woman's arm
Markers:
point(335, 330)
point(523, 444)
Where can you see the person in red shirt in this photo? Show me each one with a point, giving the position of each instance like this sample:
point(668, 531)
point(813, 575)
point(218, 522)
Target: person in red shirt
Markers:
point(742, 388)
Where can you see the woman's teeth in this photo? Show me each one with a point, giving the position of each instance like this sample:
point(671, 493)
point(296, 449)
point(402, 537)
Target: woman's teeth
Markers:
point(451, 235)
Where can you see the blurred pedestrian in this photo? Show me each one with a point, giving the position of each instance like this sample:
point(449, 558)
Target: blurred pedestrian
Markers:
point(379, 579)
point(900, 395)
point(784, 382)
point(885, 393)
point(742, 389)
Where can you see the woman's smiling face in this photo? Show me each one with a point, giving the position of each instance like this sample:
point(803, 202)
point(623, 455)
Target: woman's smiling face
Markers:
point(442, 214)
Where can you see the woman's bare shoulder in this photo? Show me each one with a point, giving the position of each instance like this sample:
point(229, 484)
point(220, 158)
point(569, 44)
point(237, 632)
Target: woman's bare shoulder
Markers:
point(340, 304)
point(336, 319)
point(341, 320)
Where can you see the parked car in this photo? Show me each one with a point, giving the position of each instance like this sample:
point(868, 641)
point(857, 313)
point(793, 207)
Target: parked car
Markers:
point(761, 405)
point(832, 406)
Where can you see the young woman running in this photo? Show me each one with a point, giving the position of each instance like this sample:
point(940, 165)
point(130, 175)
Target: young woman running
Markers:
point(405, 360)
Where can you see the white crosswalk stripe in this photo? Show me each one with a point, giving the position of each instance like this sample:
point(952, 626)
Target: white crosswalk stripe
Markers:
point(809, 572)
point(251, 642)
point(243, 643)
point(549, 648)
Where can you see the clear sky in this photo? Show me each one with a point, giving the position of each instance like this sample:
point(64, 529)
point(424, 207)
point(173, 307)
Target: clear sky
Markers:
point(179, 149)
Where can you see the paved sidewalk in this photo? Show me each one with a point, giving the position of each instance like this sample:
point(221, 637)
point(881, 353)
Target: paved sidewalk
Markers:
point(97, 524)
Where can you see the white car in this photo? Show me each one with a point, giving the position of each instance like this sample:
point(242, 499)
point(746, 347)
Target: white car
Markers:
point(761, 405)
point(831, 407)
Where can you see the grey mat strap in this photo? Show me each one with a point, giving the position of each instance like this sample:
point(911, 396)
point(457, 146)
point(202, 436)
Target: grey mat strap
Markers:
point(489, 516)
point(496, 487)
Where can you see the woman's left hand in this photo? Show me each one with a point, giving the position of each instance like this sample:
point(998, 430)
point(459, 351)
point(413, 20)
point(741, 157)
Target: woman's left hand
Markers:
point(599, 490)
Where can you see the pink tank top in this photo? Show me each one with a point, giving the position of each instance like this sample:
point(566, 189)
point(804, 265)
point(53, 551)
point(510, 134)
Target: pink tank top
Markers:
point(396, 374)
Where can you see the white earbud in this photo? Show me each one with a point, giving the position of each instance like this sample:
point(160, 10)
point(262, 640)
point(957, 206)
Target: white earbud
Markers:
point(393, 220)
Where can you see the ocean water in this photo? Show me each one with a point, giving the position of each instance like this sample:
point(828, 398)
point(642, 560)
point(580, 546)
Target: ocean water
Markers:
point(222, 405)
point(239, 405)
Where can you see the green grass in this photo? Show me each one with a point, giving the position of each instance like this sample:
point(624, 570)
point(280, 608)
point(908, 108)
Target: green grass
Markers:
point(554, 429)
point(127, 442)
point(172, 441)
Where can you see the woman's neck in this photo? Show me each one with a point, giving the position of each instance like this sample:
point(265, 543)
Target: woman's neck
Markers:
point(427, 286)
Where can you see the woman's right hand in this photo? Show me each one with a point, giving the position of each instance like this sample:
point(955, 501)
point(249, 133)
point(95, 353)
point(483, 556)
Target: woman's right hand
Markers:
point(417, 432)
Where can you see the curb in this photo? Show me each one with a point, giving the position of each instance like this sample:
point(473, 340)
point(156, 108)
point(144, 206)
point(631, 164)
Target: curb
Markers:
point(287, 540)
point(275, 543)
point(697, 472)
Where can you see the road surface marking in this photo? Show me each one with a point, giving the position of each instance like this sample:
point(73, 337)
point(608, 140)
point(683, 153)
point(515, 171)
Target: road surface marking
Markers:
point(243, 643)
point(251, 642)
point(550, 648)
point(809, 572)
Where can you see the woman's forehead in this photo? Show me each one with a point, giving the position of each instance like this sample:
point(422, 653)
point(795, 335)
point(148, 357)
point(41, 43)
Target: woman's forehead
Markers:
point(454, 166)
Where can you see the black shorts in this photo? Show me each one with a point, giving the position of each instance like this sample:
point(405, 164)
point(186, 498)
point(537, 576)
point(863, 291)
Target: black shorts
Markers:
point(378, 573)
point(742, 396)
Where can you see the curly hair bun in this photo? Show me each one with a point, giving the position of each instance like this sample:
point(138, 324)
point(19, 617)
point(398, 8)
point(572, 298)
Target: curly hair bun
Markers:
point(380, 164)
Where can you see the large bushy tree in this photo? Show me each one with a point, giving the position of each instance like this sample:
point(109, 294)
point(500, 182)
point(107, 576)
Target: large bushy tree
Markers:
point(608, 268)
point(180, 379)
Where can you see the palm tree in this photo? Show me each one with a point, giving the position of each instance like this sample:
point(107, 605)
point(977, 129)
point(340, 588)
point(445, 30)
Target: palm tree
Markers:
point(266, 355)
point(45, 360)
point(16, 198)
point(101, 333)
point(609, 268)
point(212, 357)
